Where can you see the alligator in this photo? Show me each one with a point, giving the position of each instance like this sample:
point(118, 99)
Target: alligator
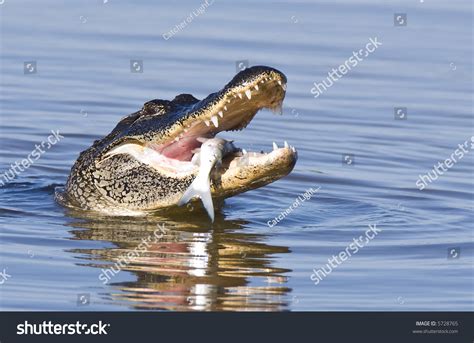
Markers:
point(145, 163)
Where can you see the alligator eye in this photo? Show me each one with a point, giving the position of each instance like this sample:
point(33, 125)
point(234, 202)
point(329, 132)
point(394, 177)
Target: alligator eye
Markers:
point(155, 107)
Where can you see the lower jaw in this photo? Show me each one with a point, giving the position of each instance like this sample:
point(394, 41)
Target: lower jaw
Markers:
point(243, 172)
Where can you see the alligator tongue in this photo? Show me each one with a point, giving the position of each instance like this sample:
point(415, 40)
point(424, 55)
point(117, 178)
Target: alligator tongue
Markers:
point(181, 150)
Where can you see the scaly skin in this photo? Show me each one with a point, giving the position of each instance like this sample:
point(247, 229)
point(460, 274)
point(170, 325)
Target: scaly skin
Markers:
point(122, 184)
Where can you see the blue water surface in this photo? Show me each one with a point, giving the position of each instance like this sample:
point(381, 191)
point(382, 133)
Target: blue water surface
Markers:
point(66, 66)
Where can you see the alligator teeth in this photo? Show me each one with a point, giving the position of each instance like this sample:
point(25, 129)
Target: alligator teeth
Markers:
point(221, 114)
point(248, 93)
point(244, 151)
point(256, 87)
point(215, 121)
point(283, 85)
point(286, 144)
point(275, 146)
point(240, 95)
point(293, 149)
point(225, 108)
point(263, 81)
point(207, 122)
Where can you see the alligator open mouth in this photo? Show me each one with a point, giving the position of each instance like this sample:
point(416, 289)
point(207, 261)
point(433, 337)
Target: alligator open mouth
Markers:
point(230, 109)
point(149, 160)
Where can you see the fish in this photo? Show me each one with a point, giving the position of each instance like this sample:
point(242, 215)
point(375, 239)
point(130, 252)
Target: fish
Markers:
point(209, 154)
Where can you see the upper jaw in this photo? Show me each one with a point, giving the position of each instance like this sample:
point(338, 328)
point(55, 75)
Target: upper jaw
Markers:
point(232, 108)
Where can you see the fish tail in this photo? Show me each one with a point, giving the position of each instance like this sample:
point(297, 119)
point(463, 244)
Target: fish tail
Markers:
point(200, 188)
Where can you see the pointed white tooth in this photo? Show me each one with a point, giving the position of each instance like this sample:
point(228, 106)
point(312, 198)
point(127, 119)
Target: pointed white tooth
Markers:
point(279, 82)
point(293, 149)
point(228, 101)
point(286, 144)
point(275, 146)
point(240, 95)
point(225, 108)
point(263, 81)
point(215, 121)
point(207, 122)
point(244, 151)
point(256, 87)
point(283, 86)
point(248, 93)
point(221, 114)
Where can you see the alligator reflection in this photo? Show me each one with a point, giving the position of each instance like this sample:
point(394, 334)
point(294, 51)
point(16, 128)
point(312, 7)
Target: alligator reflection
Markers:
point(190, 267)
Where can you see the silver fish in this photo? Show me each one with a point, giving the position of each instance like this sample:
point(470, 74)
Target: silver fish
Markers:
point(211, 152)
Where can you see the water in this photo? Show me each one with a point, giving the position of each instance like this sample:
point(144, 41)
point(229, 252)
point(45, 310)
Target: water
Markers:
point(83, 86)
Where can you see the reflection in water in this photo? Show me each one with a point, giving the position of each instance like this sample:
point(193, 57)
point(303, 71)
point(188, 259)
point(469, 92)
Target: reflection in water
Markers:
point(190, 266)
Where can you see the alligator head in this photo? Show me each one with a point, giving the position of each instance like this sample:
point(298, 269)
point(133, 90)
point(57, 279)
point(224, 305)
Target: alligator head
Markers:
point(145, 162)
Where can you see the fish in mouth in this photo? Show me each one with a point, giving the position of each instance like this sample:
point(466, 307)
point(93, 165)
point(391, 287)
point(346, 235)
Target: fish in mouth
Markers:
point(146, 162)
point(211, 153)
